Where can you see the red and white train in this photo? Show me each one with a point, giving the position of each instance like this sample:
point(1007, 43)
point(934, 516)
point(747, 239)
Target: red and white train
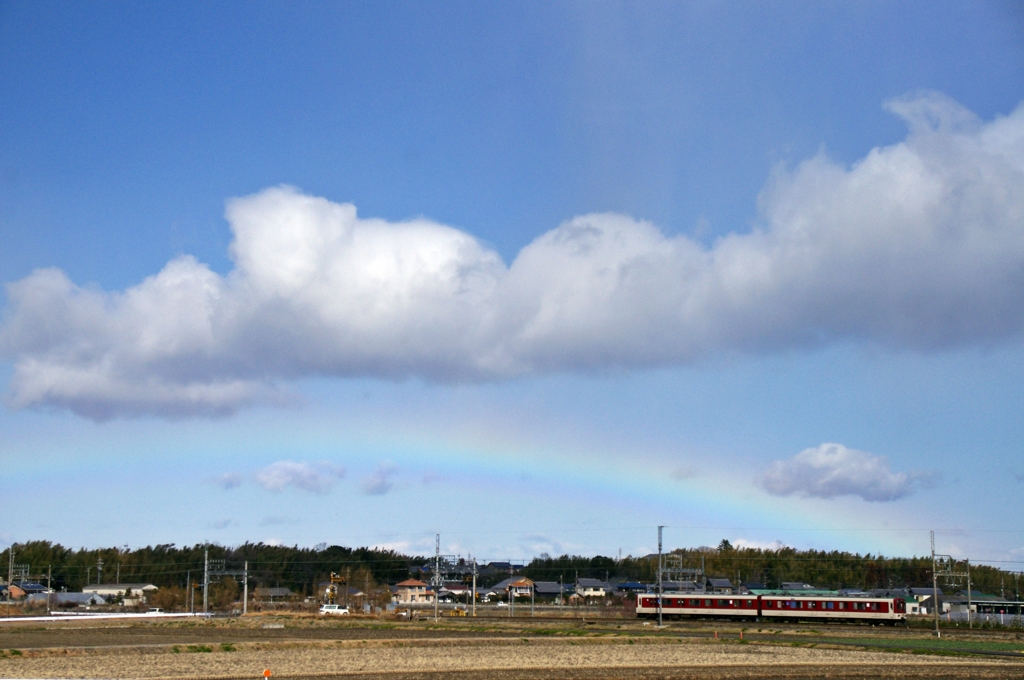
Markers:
point(781, 608)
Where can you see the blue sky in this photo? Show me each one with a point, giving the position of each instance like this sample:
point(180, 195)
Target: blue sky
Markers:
point(748, 271)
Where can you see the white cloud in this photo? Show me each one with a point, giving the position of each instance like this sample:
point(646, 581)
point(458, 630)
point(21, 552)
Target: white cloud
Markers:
point(228, 480)
point(537, 544)
point(403, 547)
point(919, 245)
point(379, 483)
point(744, 544)
point(315, 477)
point(832, 470)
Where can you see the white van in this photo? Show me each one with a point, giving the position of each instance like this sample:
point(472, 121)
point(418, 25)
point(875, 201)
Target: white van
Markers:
point(333, 609)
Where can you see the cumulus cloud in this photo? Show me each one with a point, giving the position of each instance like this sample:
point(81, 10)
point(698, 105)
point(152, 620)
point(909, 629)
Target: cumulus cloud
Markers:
point(380, 482)
point(228, 480)
point(315, 477)
point(919, 245)
point(832, 470)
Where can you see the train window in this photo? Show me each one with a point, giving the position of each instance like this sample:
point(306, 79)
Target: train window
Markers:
point(830, 605)
point(707, 603)
point(750, 603)
point(723, 603)
point(694, 603)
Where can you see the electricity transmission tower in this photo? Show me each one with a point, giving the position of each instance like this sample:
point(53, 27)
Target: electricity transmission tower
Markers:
point(944, 567)
point(216, 568)
point(441, 567)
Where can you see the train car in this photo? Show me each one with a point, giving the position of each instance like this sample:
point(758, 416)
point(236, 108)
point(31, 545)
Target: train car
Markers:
point(781, 608)
point(886, 610)
point(696, 605)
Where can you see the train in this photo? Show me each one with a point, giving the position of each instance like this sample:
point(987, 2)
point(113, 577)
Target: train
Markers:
point(779, 608)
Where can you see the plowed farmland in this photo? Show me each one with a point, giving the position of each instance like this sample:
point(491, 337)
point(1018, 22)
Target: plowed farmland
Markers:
point(298, 647)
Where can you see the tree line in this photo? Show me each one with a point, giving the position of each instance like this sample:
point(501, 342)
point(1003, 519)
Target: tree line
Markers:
point(168, 565)
point(303, 569)
point(831, 570)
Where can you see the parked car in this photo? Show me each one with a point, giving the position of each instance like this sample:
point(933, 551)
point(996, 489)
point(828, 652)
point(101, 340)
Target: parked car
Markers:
point(155, 610)
point(503, 604)
point(333, 609)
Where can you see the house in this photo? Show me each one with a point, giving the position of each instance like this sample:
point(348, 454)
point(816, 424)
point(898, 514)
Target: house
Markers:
point(492, 568)
point(550, 590)
point(518, 586)
point(630, 587)
point(30, 588)
point(272, 594)
point(12, 591)
point(591, 587)
point(454, 590)
point(521, 588)
point(412, 591)
point(719, 586)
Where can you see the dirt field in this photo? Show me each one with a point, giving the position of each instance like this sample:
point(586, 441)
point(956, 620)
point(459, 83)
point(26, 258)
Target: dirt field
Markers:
point(371, 650)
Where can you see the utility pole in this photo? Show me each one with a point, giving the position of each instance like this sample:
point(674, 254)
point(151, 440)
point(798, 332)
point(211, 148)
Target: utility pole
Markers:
point(118, 581)
point(660, 590)
point(437, 573)
point(935, 588)
point(49, 586)
point(188, 586)
point(206, 580)
point(99, 570)
point(245, 589)
point(474, 586)
point(10, 576)
point(970, 622)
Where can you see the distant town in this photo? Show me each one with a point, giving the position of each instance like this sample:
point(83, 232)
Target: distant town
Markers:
point(43, 577)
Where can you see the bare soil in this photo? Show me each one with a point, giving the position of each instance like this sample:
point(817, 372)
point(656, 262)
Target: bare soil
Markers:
point(369, 650)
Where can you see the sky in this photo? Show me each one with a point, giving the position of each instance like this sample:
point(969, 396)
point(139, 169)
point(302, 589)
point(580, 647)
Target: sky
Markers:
point(538, 277)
